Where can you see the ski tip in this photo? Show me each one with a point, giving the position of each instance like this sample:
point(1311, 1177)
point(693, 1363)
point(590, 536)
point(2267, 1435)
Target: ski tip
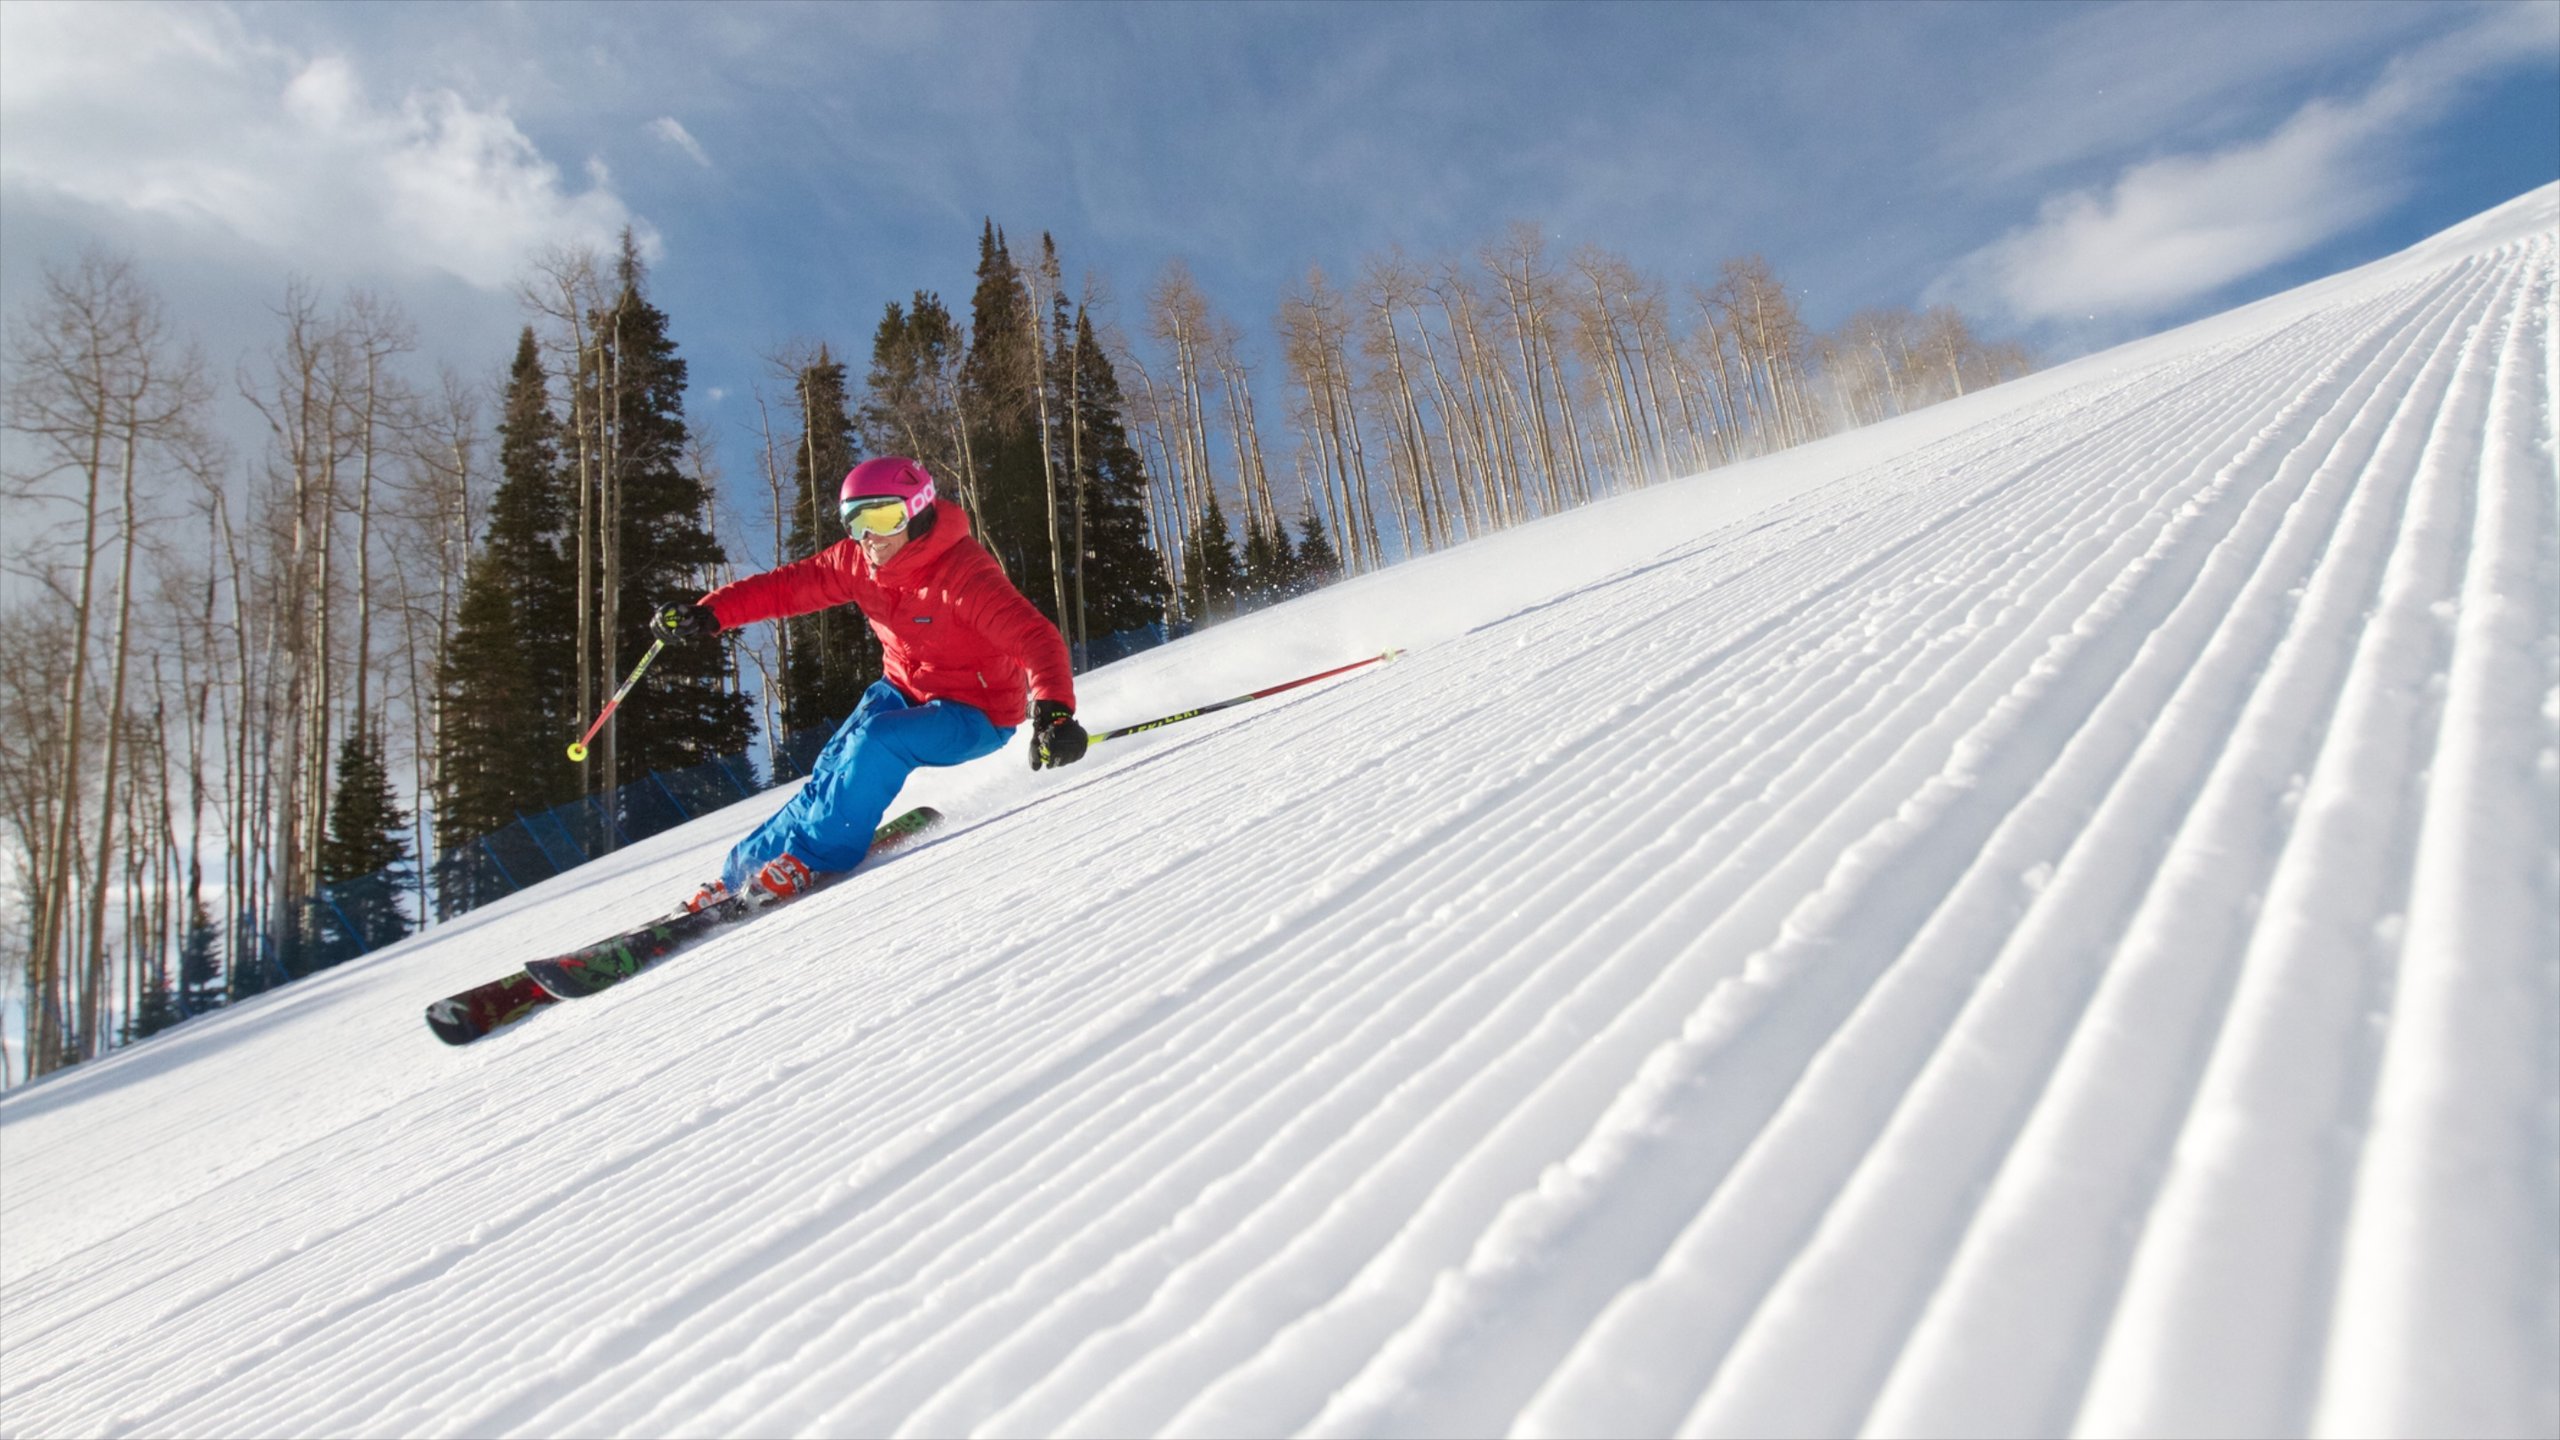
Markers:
point(451, 1022)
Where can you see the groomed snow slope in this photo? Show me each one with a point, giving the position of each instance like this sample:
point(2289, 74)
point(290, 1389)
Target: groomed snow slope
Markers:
point(2043, 916)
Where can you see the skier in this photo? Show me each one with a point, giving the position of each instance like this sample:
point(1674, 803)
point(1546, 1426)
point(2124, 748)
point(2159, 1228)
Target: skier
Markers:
point(963, 658)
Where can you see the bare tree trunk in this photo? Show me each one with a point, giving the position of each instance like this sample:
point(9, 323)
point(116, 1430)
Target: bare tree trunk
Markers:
point(779, 513)
point(1479, 399)
point(1643, 319)
point(813, 493)
point(1075, 474)
point(197, 729)
point(1172, 515)
point(1389, 285)
point(609, 416)
point(1039, 282)
point(93, 1029)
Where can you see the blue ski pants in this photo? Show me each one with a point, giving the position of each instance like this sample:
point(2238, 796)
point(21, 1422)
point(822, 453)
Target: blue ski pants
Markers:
point(828, 824)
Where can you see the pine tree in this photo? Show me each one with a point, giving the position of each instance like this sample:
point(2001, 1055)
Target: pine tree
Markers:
point(908, 398)
point(997, 387)
point(667, 550)
point(368, 842)
point(156, 1008)
point(496, 741)
point(1316, 564)
point(507, 681)
point(1269, 573)
point(1124, 580)
point(532, 521)
point(834, 655)
point(200, 962)
point(1212, 578)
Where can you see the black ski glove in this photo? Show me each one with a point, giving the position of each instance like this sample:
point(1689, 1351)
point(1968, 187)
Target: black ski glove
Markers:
point(1056, 738)
point(685, 620)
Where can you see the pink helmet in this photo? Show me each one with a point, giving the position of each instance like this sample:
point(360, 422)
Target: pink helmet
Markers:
point(891, 477)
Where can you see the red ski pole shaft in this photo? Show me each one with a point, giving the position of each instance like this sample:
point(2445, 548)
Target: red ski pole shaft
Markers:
point(578, 747)
point(1160, 723)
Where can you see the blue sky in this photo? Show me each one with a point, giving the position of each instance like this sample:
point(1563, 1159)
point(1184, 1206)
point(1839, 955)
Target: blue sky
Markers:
point(2073, 175)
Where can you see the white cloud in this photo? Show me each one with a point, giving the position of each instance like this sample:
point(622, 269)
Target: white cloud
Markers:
point(671, 130)
point(2172, 230)
point(177, 112)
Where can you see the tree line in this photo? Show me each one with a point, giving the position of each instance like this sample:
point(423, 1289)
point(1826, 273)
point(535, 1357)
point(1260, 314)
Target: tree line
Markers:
point(232, 680)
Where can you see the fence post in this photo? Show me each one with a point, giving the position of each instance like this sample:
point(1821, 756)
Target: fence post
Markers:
point(744, 789)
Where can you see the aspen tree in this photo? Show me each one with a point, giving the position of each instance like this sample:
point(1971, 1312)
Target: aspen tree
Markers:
point(1046, 293)
point(1518, 267)
point(1178, 321)
point(1387, 282)
point(1949, 342)
point(778, 507)
point(97, 383)
point(376, 331)
point(1167, 515)
point(1483, 399)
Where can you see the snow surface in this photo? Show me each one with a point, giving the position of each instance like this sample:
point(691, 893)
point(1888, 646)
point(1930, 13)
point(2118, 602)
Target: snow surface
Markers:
point(2041, 916)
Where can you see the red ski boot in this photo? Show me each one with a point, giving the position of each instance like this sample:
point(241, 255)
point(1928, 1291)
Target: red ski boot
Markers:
point(781, 878)
point(709, 897)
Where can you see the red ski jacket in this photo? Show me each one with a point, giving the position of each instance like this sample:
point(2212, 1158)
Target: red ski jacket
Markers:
point(951, 627)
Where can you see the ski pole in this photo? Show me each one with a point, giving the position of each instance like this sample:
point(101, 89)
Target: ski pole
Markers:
point(1159, 724)
point(578, 747)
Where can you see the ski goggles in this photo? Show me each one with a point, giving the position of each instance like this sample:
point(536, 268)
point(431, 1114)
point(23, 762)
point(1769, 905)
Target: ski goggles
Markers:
point(874, 515)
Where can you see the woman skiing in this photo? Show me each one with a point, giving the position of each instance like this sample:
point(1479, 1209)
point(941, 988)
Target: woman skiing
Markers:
point(964, 659)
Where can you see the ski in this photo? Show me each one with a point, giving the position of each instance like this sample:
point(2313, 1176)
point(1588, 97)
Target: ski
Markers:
point(462, 1018)
point(472, 1014)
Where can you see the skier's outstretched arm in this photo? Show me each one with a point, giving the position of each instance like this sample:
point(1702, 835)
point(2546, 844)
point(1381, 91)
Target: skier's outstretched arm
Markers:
point(819, 582)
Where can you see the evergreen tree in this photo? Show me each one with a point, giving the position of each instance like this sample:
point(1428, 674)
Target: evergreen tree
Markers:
point(667, 550)
point(834, 655)
point(496, 742)
point(1124, 579)
point(255, 966)
point(1269, 573)
point(368, 841)
point(998, 391)
point(908, 398)
point(531, 540)
point(507, 678)
point(1212, 578)
point(1316, 565)
point(200, 962)
point(156, 1008)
